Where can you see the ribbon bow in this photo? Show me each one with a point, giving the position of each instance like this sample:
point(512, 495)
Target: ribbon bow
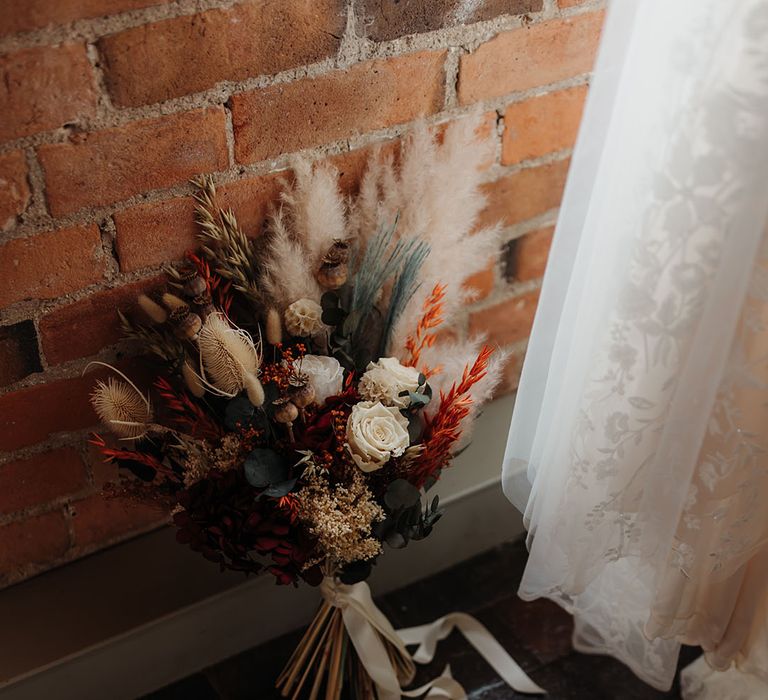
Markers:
point(367, 628)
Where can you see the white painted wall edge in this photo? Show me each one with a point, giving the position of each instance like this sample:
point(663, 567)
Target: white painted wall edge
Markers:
point(152, 655)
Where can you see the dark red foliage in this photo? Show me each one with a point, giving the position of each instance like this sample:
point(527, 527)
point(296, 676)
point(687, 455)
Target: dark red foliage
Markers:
point(186, 414)
point(225, 521)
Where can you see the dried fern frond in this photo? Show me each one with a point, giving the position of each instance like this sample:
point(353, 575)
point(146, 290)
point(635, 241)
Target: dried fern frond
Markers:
point(225, 245)
point(121, 406)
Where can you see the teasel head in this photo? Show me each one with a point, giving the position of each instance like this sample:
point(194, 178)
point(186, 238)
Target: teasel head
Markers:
point(152, 309)
point(121, 406)
point(334, 269)
point(273, 327)
point(229, 359)
point(186, 323)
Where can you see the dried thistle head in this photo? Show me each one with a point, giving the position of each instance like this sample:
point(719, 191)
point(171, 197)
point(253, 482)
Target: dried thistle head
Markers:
point(229, 358)
point(122, 407)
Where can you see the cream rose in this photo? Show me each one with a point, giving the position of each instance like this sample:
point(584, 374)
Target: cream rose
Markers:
point(375, 433)
point(386, 379)
point(303, 318)
point(325, 374)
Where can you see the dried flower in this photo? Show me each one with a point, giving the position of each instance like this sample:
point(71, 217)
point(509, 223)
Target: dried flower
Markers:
point(273, 327)
point(230, 358)
point(386, 379)
point(325, 374)
point(122, 407)
point(150, 307)
point(173, 302)
point(375, 433)
point(341, 518)
point(303, 318)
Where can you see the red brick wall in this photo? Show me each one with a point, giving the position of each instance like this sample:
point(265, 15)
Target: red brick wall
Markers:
point(110, 106)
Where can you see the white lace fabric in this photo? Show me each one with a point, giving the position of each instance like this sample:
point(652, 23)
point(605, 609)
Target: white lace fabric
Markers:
point(639, 445)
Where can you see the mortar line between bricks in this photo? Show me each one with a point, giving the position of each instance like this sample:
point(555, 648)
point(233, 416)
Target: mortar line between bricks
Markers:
point(238, 171)
point(109, 116)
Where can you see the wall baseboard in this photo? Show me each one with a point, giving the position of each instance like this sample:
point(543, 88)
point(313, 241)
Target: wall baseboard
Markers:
point(170, 646)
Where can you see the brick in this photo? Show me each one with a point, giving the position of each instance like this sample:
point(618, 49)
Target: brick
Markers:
point(507, 322)
point(482, 283)
point(30, 542)
point(151, 63)
point(542, 125)
point(36, 14)
point(525, 258)
point(99, 520)
point(570, 3)
point(385, 20)
point(19, 356)
point(88, 325)
point(30, 415)
point(14, 188)
point(50, 264)
point(372, 95)
point(524, 194)
point(103, 167)
point(44, 88)
point(41, 479)
point(151, 234)
point(531, 56)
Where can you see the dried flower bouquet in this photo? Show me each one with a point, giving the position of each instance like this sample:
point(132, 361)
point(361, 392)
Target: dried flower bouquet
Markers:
point(308, 403)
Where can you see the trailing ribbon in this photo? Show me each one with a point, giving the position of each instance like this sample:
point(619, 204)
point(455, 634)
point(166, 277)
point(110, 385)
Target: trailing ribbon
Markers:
point(392, 668)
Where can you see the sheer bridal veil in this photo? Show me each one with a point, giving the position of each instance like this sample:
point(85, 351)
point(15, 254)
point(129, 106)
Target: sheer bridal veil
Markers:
point(638, 450)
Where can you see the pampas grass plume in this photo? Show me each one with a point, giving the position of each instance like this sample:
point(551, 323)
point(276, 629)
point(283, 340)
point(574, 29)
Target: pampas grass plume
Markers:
point(173, 302)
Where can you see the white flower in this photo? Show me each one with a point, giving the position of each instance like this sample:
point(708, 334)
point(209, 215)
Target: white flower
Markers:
point(326, 375)
point(386, 379)
point(303, 318)
point(375, 433)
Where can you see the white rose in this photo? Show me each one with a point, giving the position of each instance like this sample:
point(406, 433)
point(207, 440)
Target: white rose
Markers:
point(303, 318)
point(386, 379)
point(325, 374)
point(375, 433)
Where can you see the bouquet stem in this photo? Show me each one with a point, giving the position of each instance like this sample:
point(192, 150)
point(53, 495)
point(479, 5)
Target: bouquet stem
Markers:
point(320, 657)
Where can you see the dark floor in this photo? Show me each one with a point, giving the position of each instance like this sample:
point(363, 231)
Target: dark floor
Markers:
point(536, 634)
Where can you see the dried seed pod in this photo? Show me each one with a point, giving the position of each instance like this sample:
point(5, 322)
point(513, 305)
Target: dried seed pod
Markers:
point(186, 323)
point(194, 286)
point(204, 304)
point(334, 271)
point(285, 412)
point(300, 391)
point(150, 307)
point(273, 327)
point(332, 276)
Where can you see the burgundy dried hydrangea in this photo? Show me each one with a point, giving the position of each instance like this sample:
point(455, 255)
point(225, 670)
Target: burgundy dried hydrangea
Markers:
point(224, 520)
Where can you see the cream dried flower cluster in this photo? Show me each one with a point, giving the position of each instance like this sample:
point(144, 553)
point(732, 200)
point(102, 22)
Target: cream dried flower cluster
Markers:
point(341, 518)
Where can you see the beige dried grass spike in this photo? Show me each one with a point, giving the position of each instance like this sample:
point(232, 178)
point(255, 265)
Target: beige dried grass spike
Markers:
point(121, 406)
point(229, 359)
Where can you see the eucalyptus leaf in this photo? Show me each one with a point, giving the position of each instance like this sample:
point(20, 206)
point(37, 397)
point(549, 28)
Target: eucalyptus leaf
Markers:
point(264, 467)
point(401, 494)
point(238, 410)
point(279, 489)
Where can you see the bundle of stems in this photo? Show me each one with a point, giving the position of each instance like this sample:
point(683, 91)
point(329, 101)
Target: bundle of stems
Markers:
point(325, 659)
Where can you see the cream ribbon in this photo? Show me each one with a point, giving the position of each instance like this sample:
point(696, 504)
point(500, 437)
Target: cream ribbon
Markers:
point(366, 625)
